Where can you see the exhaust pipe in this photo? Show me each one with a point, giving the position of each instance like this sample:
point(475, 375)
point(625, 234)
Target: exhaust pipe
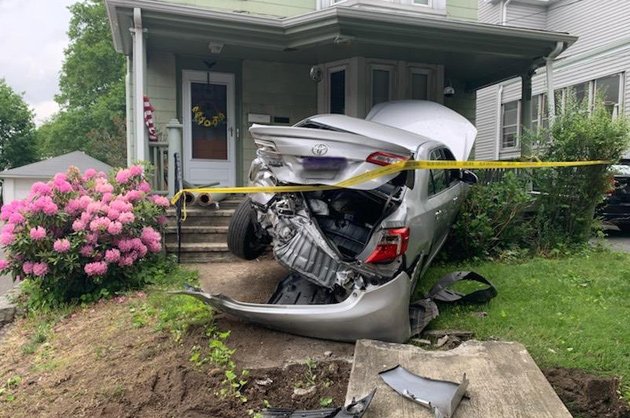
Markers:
point(208, 199)
point(190, 199)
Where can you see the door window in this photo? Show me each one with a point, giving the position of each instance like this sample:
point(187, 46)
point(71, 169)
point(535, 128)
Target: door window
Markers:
point(442, 179)
point(381, 85)
point(338, 91)
point(209, 121)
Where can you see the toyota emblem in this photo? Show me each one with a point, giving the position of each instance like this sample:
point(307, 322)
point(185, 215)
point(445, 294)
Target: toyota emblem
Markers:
point(320, 149)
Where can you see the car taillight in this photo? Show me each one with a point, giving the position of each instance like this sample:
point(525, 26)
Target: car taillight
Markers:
point(385, 158)
point(393, 243)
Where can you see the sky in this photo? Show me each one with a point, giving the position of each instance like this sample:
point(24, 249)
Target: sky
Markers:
point(32, 40)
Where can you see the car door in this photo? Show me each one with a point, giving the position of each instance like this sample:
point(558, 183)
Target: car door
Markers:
point(443, 191)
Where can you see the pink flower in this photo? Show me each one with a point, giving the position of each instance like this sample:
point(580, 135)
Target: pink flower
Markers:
point(16, 218)
point(133, 195)
point(7, 238)
point(126, 261)
point(61, 245)
point(112, 256)
point(162, 220)
point(89, 173)
point(4, 264)
point(99, 224)
point(40, 269)
point(121, 206)
point(115, 228)
point(136, 170)
point(107, 197)
point(98, 268)
point(144, 187)
point(91, 238)
point(96, 207)
point(86, 250)
point(104, 187)
point(123, 176)
point(78, 225)
point(86, 217)
point(126, 217)
point(73, 206)
point(27, 267)
point(44, 204)
point(41, 188)
point(160, 201)
point(61, 184)
point(113, 214)
point(149, 235)
point(38, 233)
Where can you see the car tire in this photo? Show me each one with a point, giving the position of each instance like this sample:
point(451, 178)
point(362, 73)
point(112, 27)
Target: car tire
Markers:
point(242, 239)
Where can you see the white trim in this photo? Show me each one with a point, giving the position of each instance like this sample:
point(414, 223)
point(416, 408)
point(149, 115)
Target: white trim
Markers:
point(228, 79)
point(518, 127)
point(139, 62)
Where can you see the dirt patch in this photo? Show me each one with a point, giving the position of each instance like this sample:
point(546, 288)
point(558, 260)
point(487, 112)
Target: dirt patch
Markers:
point(586, 395)
point(98, 363)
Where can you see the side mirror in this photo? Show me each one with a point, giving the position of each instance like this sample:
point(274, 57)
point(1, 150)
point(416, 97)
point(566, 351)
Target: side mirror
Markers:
point(469, 177)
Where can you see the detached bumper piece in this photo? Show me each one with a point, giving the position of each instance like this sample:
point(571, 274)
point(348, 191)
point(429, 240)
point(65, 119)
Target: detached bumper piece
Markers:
point(441, 396)
point(355, 409)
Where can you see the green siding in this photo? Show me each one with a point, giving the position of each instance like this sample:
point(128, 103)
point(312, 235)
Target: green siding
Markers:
point(462, 9)
point(281, 8)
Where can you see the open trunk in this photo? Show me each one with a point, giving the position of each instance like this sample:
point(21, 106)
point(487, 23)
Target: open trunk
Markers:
point(318, 153)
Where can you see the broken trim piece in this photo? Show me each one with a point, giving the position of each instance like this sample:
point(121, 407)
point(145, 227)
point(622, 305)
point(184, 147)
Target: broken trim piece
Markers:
point(441, 396)
point(354, 409)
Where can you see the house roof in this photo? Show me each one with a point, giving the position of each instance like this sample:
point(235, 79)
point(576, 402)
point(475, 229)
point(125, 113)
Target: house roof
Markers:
point(477, 53)
point(48, 168)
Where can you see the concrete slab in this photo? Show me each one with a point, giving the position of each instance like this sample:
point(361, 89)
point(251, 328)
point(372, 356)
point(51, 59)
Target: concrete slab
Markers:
point(504, 380)
point(257, 347)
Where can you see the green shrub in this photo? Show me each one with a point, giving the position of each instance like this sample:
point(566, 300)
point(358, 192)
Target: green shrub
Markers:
point(491, 220)
point(569, 195)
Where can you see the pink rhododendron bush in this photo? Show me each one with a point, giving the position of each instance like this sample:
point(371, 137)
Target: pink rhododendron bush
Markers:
point(81, 233)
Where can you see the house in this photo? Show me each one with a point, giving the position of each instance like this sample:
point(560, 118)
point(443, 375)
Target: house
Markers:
point(17, 182)
point(211, 68)
point(598, 63)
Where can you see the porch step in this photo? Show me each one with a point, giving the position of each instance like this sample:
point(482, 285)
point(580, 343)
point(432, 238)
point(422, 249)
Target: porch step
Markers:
point(202, 252)
point(196, 234)
point(201, 217)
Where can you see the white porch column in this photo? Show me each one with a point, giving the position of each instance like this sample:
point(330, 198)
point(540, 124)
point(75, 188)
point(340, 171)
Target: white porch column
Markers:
point(131, 146)
point(139, 59)
point(174, 147)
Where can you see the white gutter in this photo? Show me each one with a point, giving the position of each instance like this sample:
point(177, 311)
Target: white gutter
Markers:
point(138, 85)
point(504, 11)
point(551, 97)
point(499, 122)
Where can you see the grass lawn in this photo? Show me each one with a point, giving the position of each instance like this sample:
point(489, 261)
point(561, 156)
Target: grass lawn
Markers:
point(569, 312)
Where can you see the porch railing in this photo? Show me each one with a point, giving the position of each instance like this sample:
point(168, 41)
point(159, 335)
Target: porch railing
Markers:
point(161, 154)
point(158, 155)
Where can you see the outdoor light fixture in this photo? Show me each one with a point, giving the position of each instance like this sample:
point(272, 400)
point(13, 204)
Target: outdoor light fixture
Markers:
point(316, 73)
point(449, 90)
point(215, 47)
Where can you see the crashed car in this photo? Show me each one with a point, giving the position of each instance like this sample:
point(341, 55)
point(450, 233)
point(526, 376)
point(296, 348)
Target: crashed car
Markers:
point(355, 253)
point(616, 208)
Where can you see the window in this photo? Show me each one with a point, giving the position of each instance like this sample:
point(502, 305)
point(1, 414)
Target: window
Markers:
point(381, 83)
point(337, 91)
point(510, 122)
point(419, 83)
point(609, 89)
point(441, 179)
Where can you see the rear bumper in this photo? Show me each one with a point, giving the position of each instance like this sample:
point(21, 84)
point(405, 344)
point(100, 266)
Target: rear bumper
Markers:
point(380, 312)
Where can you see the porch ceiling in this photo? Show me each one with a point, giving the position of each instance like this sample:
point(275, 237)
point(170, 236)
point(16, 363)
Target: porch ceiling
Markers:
point(477, 54)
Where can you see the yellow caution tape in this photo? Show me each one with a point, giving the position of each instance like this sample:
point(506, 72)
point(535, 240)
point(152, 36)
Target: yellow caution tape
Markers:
point(386, 170)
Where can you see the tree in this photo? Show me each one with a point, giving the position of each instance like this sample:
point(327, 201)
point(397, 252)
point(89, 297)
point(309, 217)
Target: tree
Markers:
point(92, 91)
point(16, 129)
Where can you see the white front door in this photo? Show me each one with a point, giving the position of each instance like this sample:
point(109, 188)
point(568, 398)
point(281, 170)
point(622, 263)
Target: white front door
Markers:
point(209, 125)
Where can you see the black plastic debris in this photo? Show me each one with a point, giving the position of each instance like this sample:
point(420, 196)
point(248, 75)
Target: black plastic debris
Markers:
point(355, 409)
point(441, 396)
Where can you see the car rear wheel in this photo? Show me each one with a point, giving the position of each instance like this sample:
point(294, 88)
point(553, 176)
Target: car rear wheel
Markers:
point(242, 239)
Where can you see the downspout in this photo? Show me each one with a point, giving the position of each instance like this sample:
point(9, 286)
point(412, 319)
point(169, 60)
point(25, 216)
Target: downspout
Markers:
point(138, 85)
point(551, 98)
point(499, 122)
point(129, 115)
point(504, 11)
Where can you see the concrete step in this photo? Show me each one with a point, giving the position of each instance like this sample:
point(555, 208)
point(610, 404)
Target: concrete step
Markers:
point(202, 252)
point(197, 234)
point(202, 217)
